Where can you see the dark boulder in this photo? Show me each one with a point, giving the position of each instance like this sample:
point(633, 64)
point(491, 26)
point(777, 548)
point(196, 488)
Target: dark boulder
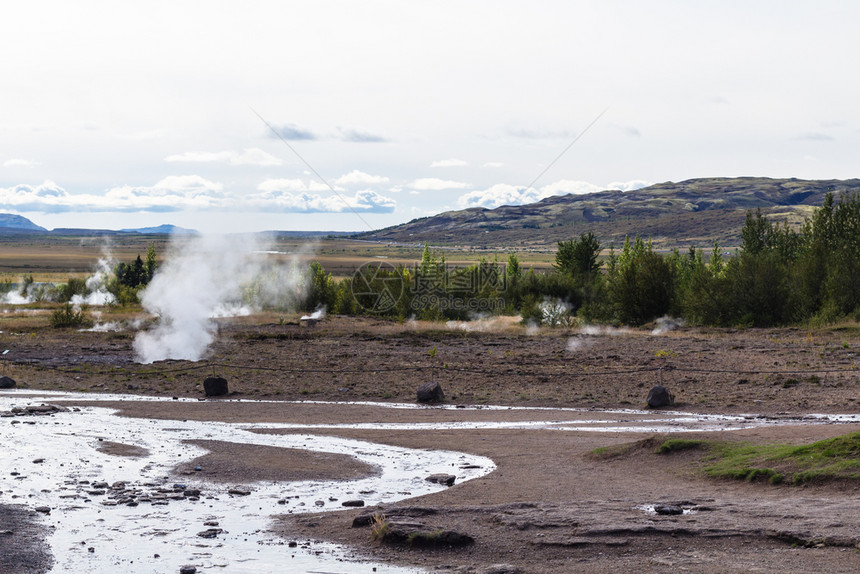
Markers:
point(446, 479)
point(353, 503)
point(7, 382)
point(215, 386)
point(660, 396)
point(430, 393)
point(668, 509)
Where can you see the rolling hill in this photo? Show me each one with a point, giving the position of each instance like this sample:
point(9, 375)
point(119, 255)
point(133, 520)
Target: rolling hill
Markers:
point(691, 212)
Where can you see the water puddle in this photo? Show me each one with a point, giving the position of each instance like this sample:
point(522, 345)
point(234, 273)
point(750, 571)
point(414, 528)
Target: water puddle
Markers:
point(112, 513)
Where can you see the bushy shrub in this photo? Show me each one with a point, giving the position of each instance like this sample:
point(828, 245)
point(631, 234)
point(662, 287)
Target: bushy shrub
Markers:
point(69, 316)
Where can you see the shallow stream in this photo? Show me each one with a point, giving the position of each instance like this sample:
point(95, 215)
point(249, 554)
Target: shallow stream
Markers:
point(154, 521)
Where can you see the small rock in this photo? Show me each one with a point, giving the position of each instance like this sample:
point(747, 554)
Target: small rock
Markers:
point(446, 479)
point(7, 382)
point(211, 523)
point(293, 544)
point(353, 503)
point(668, 509)
point(215, 386)
point(43, 509)
point(210, 533)
point(188, 570)
point(659, 396)
point(239, 491)
point(38, 461)
point(319, 503)
point(430, 392)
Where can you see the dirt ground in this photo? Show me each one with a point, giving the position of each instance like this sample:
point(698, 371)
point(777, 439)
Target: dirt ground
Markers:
point(550, 506)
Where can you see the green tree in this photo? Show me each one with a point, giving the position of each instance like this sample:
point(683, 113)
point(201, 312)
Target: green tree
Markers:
point(641, 283)
point(578, 257)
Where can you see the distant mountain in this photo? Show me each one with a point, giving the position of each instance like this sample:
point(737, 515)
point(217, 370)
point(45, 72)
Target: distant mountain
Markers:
point(10, 223)
point(692, 212)
point(164, 229)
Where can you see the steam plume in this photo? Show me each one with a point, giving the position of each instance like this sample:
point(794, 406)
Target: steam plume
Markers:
point(204, 277)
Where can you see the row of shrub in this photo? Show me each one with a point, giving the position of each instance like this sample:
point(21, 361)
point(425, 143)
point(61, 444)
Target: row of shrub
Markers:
point(778, 276)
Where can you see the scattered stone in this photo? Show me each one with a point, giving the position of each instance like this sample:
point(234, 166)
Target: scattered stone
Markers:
point(319, 503)
point(43, 509)
point(215, 386)
point(446, 479)
point(668, 509)
point(188, 570)
point(191, 492)
point(293, 544)
point(430, 392)
point(353, 503)
point(7, 382)
point(499, 569)
point(38, 461)
point(659, 396)
point(210, 533)
point(239, 491)
point(211, 523)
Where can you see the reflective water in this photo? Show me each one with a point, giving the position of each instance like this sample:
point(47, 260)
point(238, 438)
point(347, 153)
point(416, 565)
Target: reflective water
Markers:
point(53, 461)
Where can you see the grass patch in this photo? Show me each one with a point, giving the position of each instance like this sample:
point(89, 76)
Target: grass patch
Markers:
point(379, 526)
point(679, 444)
point(823, 461)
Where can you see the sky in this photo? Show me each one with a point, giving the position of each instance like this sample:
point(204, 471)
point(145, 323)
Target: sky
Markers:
point(351, 116)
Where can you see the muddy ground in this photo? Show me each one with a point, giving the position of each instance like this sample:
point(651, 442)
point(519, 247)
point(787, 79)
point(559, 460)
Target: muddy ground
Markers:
point(550, 506)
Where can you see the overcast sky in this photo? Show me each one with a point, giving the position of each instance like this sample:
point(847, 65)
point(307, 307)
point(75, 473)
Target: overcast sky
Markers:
point(118, 114)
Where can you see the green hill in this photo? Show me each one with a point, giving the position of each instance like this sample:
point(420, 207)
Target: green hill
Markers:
point(692, 212)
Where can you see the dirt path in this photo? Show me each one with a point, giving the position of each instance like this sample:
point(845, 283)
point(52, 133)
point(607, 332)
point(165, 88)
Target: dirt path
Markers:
point(549, 506)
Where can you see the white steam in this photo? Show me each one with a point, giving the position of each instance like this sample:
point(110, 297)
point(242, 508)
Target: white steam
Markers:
point(97, 291)
point(484, 323)
point(318, 314)
point(205, 277)
point(666, 324)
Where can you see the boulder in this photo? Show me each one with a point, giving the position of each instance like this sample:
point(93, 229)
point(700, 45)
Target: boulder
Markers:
point(353, 503)
point(215, 386)
point(7, 382)
point(659, 396)
point(441, 478)
point(668, 509)
point(430, 393)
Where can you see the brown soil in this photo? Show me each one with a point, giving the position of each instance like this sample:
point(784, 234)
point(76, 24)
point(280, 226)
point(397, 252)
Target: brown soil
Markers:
point(232, 462)
point(725, 370)
point(120, 449)
point(22, 541)
point(549, 506)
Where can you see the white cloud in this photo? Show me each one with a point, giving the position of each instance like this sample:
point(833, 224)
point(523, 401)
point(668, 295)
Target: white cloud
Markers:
point(504, 194)
point(251, 156)
point(497, 195)
point(20, 163)
point(273, 185)
point(174, 193)
point(414, 193)
point(191, 193)
point(493, 164)
point(367, 201)
point(359, 177)
point(449, 163)
point(436, 184)
point(565, 186)
point(629, 185)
